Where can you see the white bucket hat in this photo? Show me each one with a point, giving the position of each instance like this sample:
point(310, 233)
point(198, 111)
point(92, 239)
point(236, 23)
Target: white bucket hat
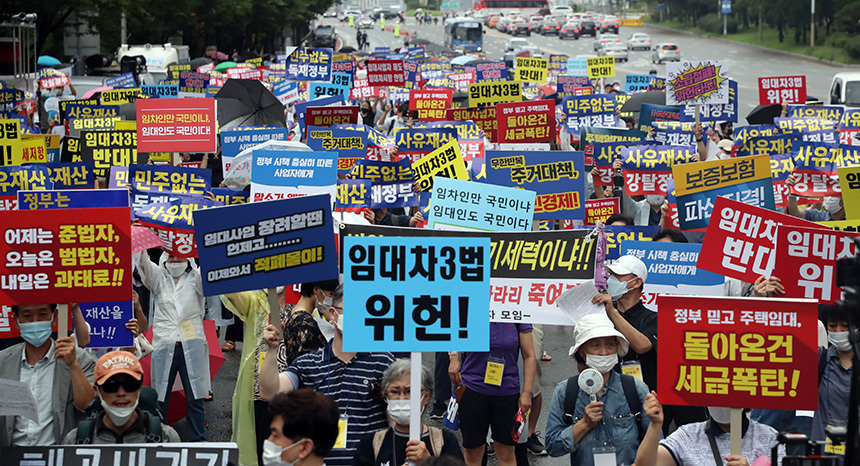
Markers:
point(596, 326)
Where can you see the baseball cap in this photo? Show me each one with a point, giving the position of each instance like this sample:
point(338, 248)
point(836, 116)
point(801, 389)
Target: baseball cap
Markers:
point(597, 326)
point(117, 362)
point(629, 264)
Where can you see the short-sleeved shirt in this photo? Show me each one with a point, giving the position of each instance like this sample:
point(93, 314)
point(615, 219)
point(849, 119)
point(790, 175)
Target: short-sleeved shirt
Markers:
point(815, 215)
point(504, 345)
point(396, 455)
point(689, 445)
point(349, 385)
point(833, 392)
point(645, 321)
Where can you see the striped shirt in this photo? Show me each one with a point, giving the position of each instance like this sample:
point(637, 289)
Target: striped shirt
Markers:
point(348, 384)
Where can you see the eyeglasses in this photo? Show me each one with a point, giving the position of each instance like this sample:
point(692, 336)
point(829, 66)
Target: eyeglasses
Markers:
point(127, 384)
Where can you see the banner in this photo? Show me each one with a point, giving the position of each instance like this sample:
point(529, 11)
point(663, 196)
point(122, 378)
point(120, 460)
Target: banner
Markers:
point(555, 176)
point(697, 186)
point(827, 112)
point(591, 135)
point(353, 194)
point(14, 179)
point(153, 184)
point(531, 70)
point(651, 113)
point(492, 93)
point(73, 175)
point(590, 110)
point(309, 64)
point(391, 182)
point(491, 72)
point(811, 129)
point(484, 118)
point(430, 103)
point(637, 82)
point(350, 145)
point(849, 127)
point(528, 270)
point(713, 113)
point(279, 174)
point(779, 90)
point(526, 122)
point(738, 352)
point(429, 306)
point(183, 125)
point(740, 239)
point(605, 154)
point(55, 256)
point(600, 67)
point(806, 261)
point(415, 143)
point(764, 145)
point(235, 140)
point(173, 223)
point(106, 149)
point(815, 168)
point(328, 116)
point(386, 73)
point(444, 161)
point(72, 199)
point(161, 91)
point(465, 205)
point(647, 169)
point(601, 209)
point(265, 245)
point(697, 82)
point(181, 454)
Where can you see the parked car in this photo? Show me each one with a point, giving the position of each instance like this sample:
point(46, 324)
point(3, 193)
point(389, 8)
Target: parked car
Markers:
point(588, 26)
point(614, 49)
point(518, 27)
point(666, 52)
point(845, 89)
point(571, 29)
point(610, 24)
point(640, 40)
point(603, 40)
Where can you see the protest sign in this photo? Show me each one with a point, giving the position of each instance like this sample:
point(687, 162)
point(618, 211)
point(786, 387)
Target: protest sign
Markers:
point(828, 112)
point(160, 91)
point(806, 261)
point(72, 175)
point(526, 122)
point(600, 67)
point(697, 186)
point(318, 89)
point(286, 91)
point(107, 323)
point(229, 196)
point(153, 184)
point(333, 115)
point(173, 223)
point(647, 169)
point(492, 93)
point(235, 140)
point(601, 209)
point(616, 235)
point(697, 82)
point(464, 205)
point(484, 118)
point(568, 86)
point(430, 103)
point(531, 70)
point(10, 142)
point(29, 151)
point(815, 168)
point(77, 125)
point(577, 66)
point(590, 110)
point(193, 84)
point(57, 256)
point(779, 90)
point(301, 107)
point(353, 194)
point(391, 182)
point(72, 199)
point(349, 144)
point(414, 143)
point(555, 176)
point(386, 73)
point(651, 113)
point(54, 81)
point(91, 111)
point(14, 179)
point(174, 70)
point(811, 129)
point(780, 167)
point(604, 156)
point(591, 135)
point(281, 174)
point(738, 352)
point(421, 313)
point(181, 125)
point(462, 81)
point(529, 270)
point(120, 96)
point(849, 127)
point(122, 81)
point(309, 64)
point(849, 182)
point(361, 89)
point(715, 112)
point(490, 72)
point(265, 245)
point(740, 239)
point(637, 82)
point(444, 161)
point(108, 149)
point(180, 454)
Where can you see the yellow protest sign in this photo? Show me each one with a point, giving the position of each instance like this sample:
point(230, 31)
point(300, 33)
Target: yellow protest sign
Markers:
point(52, 141)
point(120, 96)
point(338, 57)
point(531, 70)
point(698, 177)
point(444, 161)
point(125, 125)
point(629, 22)
point(489, 94)
point(849, 181)
point(33, 151)
point(601, 67)
point(10, 142)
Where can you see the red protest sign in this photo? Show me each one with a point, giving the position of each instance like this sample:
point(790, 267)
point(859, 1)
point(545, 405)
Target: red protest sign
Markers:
point(806, 261)
point(244, 73)
point(737, 352)
point(361, 89)
point(788, 89)
point(484, 117)
point(51, 82)
point(176, 125)
point(526, 122)
point(65, 255)
point(327, 116)
point(601, 209)
point(386, 73)
point(739, 242)
point(430, 103)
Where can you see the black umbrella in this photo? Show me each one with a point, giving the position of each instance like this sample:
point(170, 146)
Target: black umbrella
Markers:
point(764, 114)
point(246, 102)
point(200, 61)
point(346, 49)
point(634, 103)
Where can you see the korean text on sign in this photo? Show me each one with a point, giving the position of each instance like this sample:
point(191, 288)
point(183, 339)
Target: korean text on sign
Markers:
point(386, 73)
point(788, 89)
point(806, 261)
point(525, 122)
point(443, 297)
point(648, 169)
point(697, 82)
point(309, 64)
point(492, 93)
point(531, 70)
point(461, 204)
point(176, 125)
point(601, 67)
point(444, 161)
point(738, 352)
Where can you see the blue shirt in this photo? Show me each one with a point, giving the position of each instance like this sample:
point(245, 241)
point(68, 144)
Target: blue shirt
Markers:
point(618, 427)
point(348, 384)
point(833, 393)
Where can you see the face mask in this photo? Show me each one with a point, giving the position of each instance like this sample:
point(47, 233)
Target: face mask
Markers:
point(398, 410)
point(339, 323)
point(325, 305)
point(615, 287)
point(839, 340)
point(365, 111)
point(176, 269)
point(119, 416)
point(655, 199)
point(831, 204)
point(602, 364)
point(36, 333)
point(721, 415)
point(272, 454)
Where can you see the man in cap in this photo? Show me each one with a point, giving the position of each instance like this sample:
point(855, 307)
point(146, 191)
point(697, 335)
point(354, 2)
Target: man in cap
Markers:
point(637, 323)
point(119, 383)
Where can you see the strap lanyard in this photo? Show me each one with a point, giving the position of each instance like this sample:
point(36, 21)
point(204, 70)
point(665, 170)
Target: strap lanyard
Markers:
point(714, 449)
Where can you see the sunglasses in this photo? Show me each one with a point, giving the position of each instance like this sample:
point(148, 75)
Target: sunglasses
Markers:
point(127, 384)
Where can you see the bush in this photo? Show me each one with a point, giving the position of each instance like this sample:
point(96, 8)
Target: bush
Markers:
point(853, 47)
point(713, 23)
point(838, 39)
point(848, 18)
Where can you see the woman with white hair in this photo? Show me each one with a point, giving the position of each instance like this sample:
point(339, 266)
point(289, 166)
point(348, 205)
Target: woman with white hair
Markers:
point(392, 446)
point(610, 422)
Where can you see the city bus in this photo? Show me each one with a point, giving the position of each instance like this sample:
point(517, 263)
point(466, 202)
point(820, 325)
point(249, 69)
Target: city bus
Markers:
point(526, 7)
point(464, 34)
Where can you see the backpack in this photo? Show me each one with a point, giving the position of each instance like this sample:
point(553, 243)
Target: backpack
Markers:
point(436, 441)
point(628, 383)
point(148, 406)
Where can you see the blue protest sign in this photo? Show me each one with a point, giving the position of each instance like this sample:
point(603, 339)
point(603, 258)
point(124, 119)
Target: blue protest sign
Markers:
point(14, 179)
point(350, 145)
point(173, 223)
point(278, 174)
point(118, 177)
point(122, 81)
point(234, 141)
point(651, 113)
point(590, 110)
point(671, 263)
point(230, 196)
point(151, 184)
point(342, 79)
point(556, 176)
point(566, 86)
point(416, 294)
point(71, 175)
point(309, 64)
point(381, 51)
point(9, 100)
point(391, 182)
point(715, 112)
point(192, 84)
point(265, 244)
point(286, 91)
point(353, 194)
point(616, 235)
point(72, 199)
point(107, 323)
point(458, 204)
point(637, 82)
point(161, 91)
point(415, 53)
point(317, 90)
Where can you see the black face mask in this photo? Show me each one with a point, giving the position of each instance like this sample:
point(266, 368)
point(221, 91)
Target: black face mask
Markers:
point(365, 111)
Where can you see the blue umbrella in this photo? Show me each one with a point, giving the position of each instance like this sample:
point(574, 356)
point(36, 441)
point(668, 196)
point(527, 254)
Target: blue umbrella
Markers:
point(47, 60)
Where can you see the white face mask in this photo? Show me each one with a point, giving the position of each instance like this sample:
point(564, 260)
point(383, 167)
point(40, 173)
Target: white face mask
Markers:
point(839, 340)
point(272, 453)
point(325, 305)
point(721, 415)
point(655, 199)
point(339, 323)
point(176, 269)
point(615, 287)
point(602, 364)
point(398, 410)
point(119, 416)
point(831, 204)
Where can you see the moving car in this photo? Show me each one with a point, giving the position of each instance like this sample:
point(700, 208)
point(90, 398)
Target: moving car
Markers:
point(588, 26)
point(571, 29)
point(552, 24)
point(518, 27)
point(610, 24)
point(490, 20)
point(560, 10)
point(364, 23)
point(502, 24)
point(354, 13)
point(666, 52)
point(615, 49)
point(514, 44)
point(845, 89)
point(640, 40)
point(324, 37)
point(605, 39)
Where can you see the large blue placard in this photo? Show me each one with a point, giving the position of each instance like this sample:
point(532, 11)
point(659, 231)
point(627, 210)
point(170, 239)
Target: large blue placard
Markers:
point(236, 140)
point(72, 199)
point(107, 323)
point(309, 64)
point(71, 175)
